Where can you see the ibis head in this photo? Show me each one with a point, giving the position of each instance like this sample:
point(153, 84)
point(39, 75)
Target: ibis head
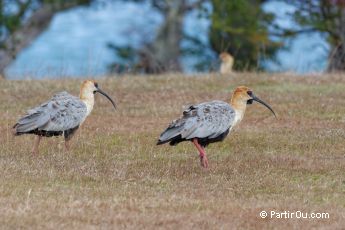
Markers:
point(224, 57)
point(243, 96)
point(88, 90)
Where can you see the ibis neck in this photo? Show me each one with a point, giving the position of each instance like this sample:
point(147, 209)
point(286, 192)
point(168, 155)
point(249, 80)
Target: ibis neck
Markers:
point(89, 100)
point(240, 108)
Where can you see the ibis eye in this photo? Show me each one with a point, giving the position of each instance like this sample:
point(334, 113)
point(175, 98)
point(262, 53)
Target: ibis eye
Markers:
point(250, 93)
point(96, 84)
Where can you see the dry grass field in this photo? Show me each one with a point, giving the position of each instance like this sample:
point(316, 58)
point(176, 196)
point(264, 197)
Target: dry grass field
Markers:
point(115, 177)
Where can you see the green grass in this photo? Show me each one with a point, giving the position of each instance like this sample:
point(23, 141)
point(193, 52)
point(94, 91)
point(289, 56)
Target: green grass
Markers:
point(115, 176)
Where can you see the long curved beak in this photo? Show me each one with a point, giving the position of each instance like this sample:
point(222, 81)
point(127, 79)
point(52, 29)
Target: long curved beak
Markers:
point(106, 95)
point(255, 98)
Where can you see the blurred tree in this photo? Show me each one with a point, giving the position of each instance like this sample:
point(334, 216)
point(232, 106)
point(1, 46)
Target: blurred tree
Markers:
point(164, 52)
point(21, 21)
point(241, 28)
point(326, 16)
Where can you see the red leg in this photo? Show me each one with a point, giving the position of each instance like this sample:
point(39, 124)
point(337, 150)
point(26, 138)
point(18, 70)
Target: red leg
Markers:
point(202, 153)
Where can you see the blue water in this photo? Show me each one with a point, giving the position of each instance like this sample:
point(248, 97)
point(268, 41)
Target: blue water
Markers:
point(75, 44)
point(305, 53)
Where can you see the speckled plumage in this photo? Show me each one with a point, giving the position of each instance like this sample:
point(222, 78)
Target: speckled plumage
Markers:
point(63, 113)
point(208, 121)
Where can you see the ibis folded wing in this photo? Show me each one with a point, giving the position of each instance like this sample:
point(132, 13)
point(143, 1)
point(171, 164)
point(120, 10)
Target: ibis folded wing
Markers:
point(205, 120)
point(62, 112)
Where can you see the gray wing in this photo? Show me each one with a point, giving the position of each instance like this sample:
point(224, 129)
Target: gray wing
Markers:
point(209, 119)
point(62, 112)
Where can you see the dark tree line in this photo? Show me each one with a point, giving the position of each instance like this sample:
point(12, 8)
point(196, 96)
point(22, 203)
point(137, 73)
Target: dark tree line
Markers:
point(239, 27)
point(164, 52)
point(328, 17)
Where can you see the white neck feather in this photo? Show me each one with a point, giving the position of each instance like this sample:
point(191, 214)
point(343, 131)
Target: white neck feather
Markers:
point(240, 107)
point(89, 99)
point(89, 105)
point(238, 116)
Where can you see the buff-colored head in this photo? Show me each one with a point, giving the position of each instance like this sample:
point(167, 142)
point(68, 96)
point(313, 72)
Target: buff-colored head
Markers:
point(87, 91)
point(225, 57)
point(227, 62)
point(243, 96)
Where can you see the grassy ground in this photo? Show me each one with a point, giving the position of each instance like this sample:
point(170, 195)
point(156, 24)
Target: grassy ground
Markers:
point(116, 177)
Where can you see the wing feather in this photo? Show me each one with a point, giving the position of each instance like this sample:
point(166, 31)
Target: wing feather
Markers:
point(205, 120)
point(62, 112)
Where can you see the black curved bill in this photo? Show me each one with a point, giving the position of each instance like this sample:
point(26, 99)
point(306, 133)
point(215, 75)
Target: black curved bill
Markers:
point(255, 98)
point(106, 95)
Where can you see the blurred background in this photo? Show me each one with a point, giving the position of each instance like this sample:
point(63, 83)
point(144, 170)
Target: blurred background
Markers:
point(91, 38)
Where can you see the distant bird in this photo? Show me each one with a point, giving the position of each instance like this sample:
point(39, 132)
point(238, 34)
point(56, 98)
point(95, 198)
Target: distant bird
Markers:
point(227, 62)
point(62, 114)
point(209, 122)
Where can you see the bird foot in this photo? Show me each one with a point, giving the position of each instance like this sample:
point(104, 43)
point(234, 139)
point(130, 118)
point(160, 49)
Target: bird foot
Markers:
point(204, 161)
point(202, 153)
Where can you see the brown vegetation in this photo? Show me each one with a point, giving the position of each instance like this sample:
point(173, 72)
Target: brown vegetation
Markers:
point(116, 177)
